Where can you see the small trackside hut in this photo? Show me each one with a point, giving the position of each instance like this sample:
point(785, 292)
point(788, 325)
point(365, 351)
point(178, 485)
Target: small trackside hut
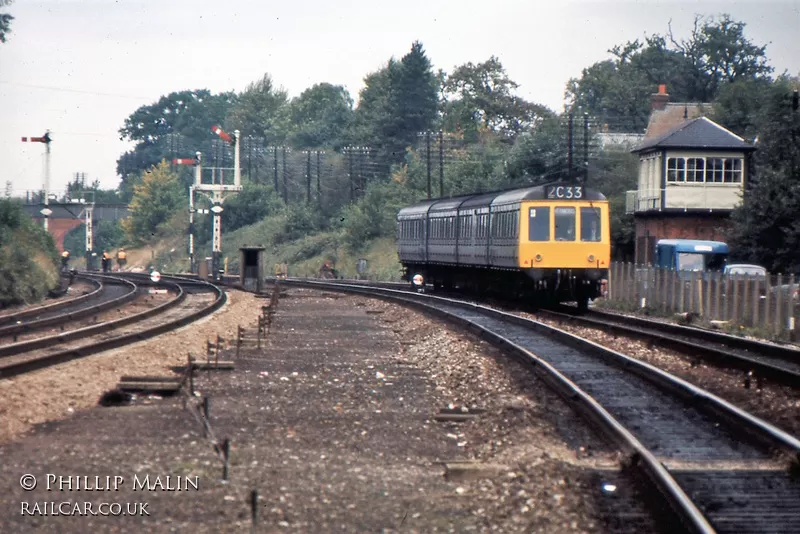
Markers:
point(548, 243)
point(252, 272)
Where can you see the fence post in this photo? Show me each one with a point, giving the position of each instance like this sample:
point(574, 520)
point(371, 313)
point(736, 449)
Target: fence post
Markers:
point(757, 302)
point(191, 374)
point(673, 294)
point(692, 280)
point(254, 508)
point(737, 282)
point(226, 454)
point(727, 303)
point(767, 301)
point(790, 309)
point(778, 327)
point(239, 333)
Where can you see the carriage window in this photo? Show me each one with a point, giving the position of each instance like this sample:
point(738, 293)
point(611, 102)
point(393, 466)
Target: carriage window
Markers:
point(565, 224)
point(539, 224)
point(590, 224)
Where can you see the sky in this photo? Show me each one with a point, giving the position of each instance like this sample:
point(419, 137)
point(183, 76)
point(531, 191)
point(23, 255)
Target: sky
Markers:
point(80, 67)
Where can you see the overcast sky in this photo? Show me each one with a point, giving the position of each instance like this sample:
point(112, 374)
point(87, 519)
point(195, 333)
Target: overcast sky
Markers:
point(80, 67)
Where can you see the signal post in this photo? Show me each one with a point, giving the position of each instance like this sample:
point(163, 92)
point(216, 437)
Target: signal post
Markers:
point(216, 193)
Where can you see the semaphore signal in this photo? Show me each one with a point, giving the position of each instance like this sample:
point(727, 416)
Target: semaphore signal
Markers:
point(46, 211)
point(220, 132)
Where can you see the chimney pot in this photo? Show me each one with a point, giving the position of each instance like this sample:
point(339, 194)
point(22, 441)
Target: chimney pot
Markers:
point(660, 99)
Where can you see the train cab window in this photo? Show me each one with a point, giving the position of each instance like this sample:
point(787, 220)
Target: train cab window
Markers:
point(539, 224)
point(590, 224)
point(565, 224)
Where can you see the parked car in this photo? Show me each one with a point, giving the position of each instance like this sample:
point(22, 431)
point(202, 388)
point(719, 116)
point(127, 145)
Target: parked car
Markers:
point(746, 269)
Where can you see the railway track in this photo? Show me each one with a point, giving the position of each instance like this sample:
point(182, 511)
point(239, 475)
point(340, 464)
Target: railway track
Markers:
point(772, 362)
point(15, 316)
point(719, 468)
point(112, 292)
point(191, 300)
point(777, 363)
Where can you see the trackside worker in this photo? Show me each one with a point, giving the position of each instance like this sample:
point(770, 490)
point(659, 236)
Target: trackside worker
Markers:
point(64, 260)
point(106, 261)
point(122, 258)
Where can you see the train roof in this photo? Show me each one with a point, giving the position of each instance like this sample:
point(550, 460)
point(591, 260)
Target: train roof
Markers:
point(494, 198)
point(695, 245)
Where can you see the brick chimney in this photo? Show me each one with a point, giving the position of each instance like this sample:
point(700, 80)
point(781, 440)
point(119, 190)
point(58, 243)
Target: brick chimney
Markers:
point(660, 99)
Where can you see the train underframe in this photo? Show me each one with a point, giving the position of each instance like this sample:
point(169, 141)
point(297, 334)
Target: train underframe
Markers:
point(539, 287)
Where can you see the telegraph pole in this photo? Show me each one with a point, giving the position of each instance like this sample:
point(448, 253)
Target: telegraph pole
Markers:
point(319, 186)
point(569, 142)
point(308, 176)
point(349, 152)
point(585, 148)
point(275, 168)
point(285, 180)
point(441, 163)
point(428, 155)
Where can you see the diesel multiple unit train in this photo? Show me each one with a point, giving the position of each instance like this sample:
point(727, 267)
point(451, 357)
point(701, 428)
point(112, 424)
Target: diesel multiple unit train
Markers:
point(546, 244)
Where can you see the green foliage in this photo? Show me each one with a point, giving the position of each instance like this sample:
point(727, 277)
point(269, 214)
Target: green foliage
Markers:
point(396, 103)
point(28, 257)
point(155, 201)
point(189, 115)
point(300, 220)
point(108, 235)
point(374, 215)
point(695, 70)
point(481, 95)
point(540, 155)
point(261, 110)
point(249, 206)
point(320, 116)
point(765, 225)
point(5, 26)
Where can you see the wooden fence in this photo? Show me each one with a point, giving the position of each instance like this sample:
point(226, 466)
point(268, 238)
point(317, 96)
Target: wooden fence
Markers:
point(769, 304)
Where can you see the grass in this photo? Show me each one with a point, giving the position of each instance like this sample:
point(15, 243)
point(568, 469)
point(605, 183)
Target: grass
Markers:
point(303, 256)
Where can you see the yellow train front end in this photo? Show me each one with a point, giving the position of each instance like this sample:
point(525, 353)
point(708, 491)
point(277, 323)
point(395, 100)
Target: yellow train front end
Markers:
point(565, 244)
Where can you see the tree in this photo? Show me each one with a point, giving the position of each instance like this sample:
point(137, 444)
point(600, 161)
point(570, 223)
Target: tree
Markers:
point(158, 198)
point(720, 53)
point(5, 22)
point(320, 116)
point(482, 96)
point(765, 228)
point(373, 109)
point(397, 103)
point(185, 115)
point(694, 70)
point(413, 100)
point(262, 110)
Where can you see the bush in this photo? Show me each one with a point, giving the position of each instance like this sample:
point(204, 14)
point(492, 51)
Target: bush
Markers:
point(28, 258)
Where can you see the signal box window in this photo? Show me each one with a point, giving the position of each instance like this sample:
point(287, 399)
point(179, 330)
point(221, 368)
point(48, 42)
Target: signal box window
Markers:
point(590, 224)
point(539, 224)
point(565, 224)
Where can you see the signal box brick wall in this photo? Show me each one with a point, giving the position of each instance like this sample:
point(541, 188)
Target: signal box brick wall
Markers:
point(710, 226)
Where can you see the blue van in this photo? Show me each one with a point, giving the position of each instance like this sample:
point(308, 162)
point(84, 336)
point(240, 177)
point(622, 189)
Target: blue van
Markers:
point(691, 255)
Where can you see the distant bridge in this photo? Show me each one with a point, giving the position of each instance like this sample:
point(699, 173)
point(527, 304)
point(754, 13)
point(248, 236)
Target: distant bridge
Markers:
point(69, 215)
